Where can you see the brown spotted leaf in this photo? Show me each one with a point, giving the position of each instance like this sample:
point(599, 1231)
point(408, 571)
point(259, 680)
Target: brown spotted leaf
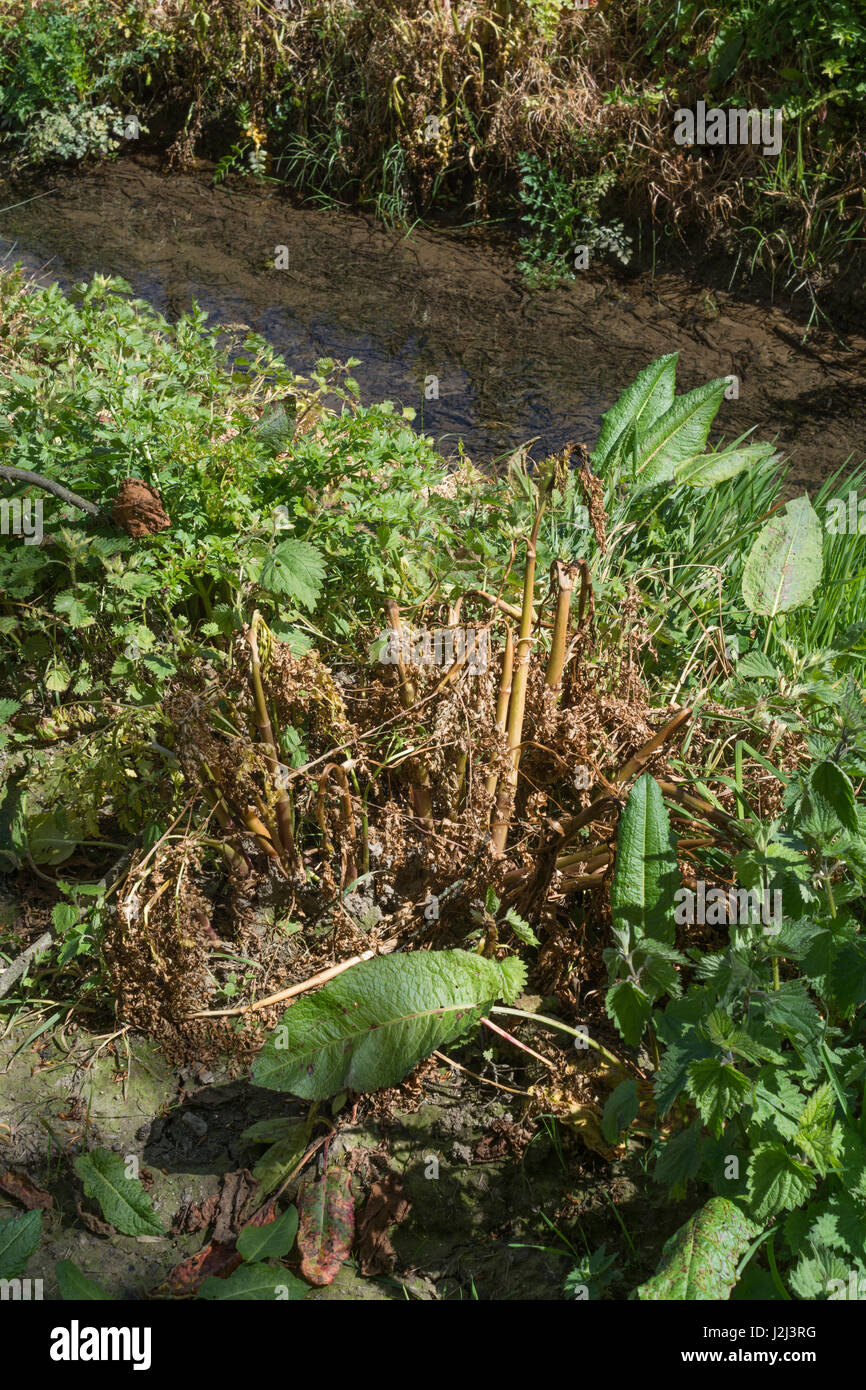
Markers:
point(215, 1258)
point(700, 1260)
point(326, 1224)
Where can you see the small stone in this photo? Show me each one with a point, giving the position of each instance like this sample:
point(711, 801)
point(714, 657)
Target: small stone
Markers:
point(196, 1123)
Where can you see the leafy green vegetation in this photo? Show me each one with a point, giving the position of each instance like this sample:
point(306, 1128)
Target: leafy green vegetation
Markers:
point(228, 795)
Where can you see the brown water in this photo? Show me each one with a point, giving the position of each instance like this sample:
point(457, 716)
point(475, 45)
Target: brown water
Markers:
point(510, 365)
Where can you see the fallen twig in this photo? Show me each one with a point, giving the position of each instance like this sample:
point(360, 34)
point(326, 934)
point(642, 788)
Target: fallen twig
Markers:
point(458, 1066)
point(24, 475)
point(20, 963)
point(313, 983)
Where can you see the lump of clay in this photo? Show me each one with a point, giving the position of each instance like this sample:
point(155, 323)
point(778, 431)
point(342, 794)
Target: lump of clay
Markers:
point(138, 510)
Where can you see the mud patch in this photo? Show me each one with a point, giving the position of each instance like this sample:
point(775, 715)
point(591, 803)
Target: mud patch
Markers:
point(477, 1226)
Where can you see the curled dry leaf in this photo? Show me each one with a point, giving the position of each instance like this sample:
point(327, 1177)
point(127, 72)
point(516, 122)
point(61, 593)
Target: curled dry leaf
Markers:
point(138, 509)
point(25, 1191)
point(93, 1223)
point(238, 1190)
point(194, 1216)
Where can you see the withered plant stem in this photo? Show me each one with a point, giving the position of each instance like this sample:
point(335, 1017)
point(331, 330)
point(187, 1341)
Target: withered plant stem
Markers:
point(227, 815)
point(462, 759)
point(564, 1028)
point(563, 576)
point(517, 704)
point(314, 981)
point(502, 701)
point(347, 814)
point(509, 1037)
point(636, 762)
point(365, 823)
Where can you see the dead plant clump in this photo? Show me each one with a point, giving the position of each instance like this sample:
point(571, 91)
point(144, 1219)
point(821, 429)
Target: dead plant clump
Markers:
point(396, 799)
point(335, 813)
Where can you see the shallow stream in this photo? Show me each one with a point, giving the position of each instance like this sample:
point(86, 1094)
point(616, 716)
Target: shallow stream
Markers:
point(509, 365)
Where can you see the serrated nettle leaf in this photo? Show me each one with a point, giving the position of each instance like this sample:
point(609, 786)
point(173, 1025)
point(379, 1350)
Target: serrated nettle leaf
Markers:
point(58, 676)
point(831, 789)
point(678, 435)
point(660, 977)
point(64, 916)
point(700, 1260)
point(754, 665)
point(522, 930)
point(818, 1273)
point(847, 975)
point(777, 1181)
point(671, 1077)
point(374, 1023)
point(294, 569)
point(123, 1200)
point(7, 709)
point(19, 1239)
point(646, 875)
point(718, 1089)
point(271, 1241)
point(820, 1146)
point(630, 1008)
point(784, 566)
point(648, 397)
point(680, 1158)
point(76, 613)
point(791, 1009)
point(648, 946)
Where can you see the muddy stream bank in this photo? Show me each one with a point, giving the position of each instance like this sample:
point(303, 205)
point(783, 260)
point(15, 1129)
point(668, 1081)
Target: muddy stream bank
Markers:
point(510, 365)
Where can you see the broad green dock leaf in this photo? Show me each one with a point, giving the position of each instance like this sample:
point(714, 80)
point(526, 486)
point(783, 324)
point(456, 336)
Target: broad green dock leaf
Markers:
point(271, 1241)
point(784, 565)
point(646, 876)
point(75, 1287)
point(19, 1238)
point(648, 397)
point(255, 1282)
point(678, 436)
point(123, 1200)
point(374, 1023)
point(707, 470)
